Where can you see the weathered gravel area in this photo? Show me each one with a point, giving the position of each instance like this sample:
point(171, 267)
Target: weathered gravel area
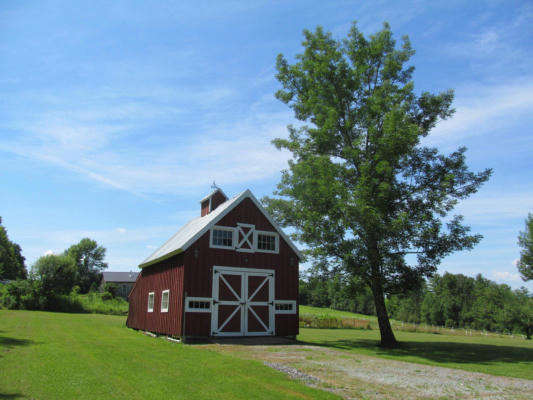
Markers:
point(355, 376)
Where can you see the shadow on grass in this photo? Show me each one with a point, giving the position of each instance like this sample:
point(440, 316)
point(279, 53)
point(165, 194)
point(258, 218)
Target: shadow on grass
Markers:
point(12, 396)
point(7, 343)
point(442, 352)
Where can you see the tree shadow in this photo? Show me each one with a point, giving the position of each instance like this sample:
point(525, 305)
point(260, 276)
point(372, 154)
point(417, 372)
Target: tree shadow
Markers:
point(441, 352)
point(8, 343)
point(12, 396)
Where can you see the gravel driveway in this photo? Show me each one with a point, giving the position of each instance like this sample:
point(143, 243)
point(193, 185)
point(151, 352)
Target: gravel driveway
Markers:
point(355, 376)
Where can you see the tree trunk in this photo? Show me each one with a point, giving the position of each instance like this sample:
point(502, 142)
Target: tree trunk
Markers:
point(385, 329)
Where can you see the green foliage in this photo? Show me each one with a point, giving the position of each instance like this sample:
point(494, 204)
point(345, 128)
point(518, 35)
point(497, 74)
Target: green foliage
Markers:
point(89, 258)
point(11, 260)
point(21, 294)
point(330, 290)
point(54, 274)
point(102, 304)
point(96, 357)
point(361, 191)
point(110, 288)
point(525, 241)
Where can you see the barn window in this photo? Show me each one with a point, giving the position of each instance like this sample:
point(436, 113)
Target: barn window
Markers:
point(151, 301)
point(267, 242)
point(198, 304)
point(222, 237)
point(164, 300)
point(285, 307)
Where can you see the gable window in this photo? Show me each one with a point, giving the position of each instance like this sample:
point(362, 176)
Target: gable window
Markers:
point(164, 300)
point(222, 237)
point(151, 296)
point(267, 242)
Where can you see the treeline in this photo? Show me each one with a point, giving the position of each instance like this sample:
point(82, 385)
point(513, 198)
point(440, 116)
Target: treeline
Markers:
point(55, 282)
point(450, 300)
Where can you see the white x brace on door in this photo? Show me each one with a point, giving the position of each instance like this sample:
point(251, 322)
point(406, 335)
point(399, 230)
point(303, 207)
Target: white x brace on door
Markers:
point(243, 302)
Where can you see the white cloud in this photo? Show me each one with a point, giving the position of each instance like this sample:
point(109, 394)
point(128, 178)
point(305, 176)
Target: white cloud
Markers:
point(494, 207)
point(505, 276)
point(482, 109)
point(98, 144)
point(121, 230)
point(48, 253)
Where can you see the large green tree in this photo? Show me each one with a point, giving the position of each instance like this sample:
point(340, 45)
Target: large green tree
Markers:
point(11, 260)
point(89, 258)
point(54, 276)
point(361, 189)
point(525, 241)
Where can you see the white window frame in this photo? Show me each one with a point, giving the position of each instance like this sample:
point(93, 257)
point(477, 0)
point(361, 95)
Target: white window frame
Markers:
point(167, 292)
point(282, 302)
point(200, 310)
point(152, 295)
point(270, 233)
point(222, 228)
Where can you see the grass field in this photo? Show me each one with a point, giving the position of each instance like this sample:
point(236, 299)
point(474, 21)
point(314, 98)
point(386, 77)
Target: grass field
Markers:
point(86, 356)
point(491, 355)
point(89, 356)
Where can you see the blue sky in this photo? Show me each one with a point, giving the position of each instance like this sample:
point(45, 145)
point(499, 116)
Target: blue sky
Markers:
point(116, 116)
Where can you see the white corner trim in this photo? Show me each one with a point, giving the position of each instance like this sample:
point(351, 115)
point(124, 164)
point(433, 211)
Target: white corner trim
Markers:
point(290, 303)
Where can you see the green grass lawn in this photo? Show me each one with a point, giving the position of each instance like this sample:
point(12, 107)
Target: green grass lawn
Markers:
point(491, 355)
point(89, 356)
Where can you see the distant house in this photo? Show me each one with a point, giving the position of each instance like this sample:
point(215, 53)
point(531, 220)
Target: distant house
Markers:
point(229, 272)
point(123, 280)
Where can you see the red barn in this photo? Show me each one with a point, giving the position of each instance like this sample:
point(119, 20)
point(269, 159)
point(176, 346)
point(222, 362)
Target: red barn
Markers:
point(230, 272)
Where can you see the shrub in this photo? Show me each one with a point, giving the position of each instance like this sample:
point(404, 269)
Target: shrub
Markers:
point(111, 289)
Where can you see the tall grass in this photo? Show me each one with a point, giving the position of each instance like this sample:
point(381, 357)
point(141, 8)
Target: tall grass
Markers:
point(326, 321)
point(94, 303)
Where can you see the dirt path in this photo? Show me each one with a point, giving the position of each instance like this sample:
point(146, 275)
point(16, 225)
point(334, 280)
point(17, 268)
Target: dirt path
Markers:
point(355, 376)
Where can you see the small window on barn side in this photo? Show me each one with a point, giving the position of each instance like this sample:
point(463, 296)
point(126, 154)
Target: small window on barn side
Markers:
point(164, 300)
point(222, 237)
point(267, 242)
point(151, 296)
point(198, 304)
point(285, 307)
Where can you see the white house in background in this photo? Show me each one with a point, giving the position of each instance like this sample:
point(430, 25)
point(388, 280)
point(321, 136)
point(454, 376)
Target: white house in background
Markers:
point(123, 280)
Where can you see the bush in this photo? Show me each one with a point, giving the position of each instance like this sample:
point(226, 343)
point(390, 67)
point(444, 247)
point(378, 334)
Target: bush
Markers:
point(21, 294)
point(111, 289)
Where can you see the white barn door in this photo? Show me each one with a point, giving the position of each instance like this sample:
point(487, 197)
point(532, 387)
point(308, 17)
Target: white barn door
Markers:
point(243, 302)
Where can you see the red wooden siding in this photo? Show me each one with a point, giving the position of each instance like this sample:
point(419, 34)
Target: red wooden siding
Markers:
point(199, 271)
point(217, 199)
point(204, 208)
point(165, 275)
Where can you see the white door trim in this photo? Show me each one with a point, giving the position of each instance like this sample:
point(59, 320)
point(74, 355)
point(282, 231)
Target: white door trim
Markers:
point(243, 302)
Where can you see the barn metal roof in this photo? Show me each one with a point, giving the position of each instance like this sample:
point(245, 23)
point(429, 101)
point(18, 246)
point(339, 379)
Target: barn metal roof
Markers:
point(110, 276)
point(194, 229)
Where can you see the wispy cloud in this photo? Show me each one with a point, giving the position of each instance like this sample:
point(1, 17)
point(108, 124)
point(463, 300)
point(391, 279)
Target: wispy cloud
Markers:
point(485, 108)
point(496, 207)
point(95, 141)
